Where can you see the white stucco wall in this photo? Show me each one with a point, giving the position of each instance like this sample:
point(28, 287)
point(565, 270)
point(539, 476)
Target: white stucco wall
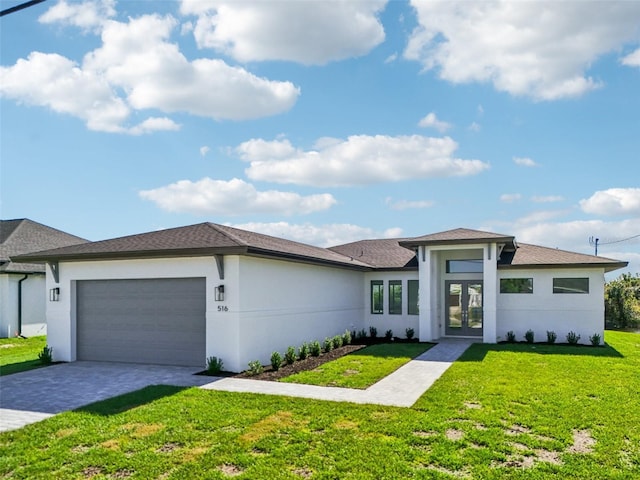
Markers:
point(543, 310)
point(385, 321)
point(33, 305)
point(281, 304)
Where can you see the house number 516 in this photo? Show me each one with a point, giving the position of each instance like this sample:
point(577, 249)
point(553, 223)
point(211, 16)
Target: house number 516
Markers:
point(223, 308)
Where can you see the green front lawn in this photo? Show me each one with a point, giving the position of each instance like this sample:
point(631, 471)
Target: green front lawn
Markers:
point(503, 411)
point(20, 354)
point(362, 368)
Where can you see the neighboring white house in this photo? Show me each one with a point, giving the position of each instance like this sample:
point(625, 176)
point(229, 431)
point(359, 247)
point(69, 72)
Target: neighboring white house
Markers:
point(22, 285)
point(181, 295)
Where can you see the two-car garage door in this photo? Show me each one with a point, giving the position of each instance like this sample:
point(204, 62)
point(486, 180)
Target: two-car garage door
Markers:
point(159, 321)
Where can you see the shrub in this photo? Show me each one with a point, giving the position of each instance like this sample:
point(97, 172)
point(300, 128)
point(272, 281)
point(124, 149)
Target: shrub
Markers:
point(373, 332)
point(304, 351)
point(409, 332)
point(595, 339)
point(388, 335)
point(255, 367)
point(337, 341)
point(551, 336)
point(290, 355)
point(46, 355)
point(214, 365)
point(346, 337)
point(315, 348)
point(327, 345)
point(360, 334)
point(528, 336)
point(511, 337)
point(572, 338)
point(276, 361)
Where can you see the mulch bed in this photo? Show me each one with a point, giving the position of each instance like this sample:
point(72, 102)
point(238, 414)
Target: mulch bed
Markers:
point(300, 365)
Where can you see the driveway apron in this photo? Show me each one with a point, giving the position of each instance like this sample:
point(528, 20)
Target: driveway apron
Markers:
point(31, 396)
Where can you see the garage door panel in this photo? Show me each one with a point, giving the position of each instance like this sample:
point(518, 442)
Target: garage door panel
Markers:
point(145, 321)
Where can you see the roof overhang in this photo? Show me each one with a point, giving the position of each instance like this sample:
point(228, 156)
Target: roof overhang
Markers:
point(608, 267)
point(411, 243)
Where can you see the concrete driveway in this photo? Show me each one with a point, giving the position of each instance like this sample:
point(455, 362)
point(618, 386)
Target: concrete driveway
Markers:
point(31, 396)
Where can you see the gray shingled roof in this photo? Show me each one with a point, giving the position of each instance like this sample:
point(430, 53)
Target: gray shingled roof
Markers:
point(392, 254)
point(534, 256)
point(457, 235)
point(382, 254)
point(194, 240)
point(23, 236)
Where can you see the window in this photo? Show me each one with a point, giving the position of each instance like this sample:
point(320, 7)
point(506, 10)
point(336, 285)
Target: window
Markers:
point(412, 297)
point(570, 285)
point(465, 266)
point(395, 297)
point(516, 285)
point(377, 295)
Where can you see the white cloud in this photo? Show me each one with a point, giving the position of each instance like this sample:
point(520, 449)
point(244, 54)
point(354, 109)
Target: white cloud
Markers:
point(524, 162)
point(547, 198)
point(391, 58)
point(359, 160)
point(88, 15)
point(309, 32)
point(510, 197)
point(204, 150)
point(432, 121)
point(614, 201)
point(232, 198)
point(137, 68)
point(407, 204)
point(320, 235)
point(537, 49)
point(475, 127)
point(633, 59)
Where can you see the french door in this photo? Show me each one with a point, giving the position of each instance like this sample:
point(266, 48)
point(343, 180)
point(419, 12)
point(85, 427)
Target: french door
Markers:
point(463, 307)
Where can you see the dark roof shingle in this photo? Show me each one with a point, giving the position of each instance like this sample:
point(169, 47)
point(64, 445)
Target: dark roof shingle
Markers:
point(381, 254)
point(527, 255)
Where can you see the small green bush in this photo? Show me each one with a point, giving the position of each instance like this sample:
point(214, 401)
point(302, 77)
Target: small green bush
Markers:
point(214, 365)
point(361, 334)
point(255, 367)
point(276, 361)
point(511, 337)
point(551, 336)
point(290, 355)
point(529, 335)
point(572, 338)
point(327, 345)
point(315, 348)
point(346, 337)
point(388, 335)
point(373, 332)
point(304, 351)
point(337, 341)
point(46, 355)
point(409, 332)
point(595, 339)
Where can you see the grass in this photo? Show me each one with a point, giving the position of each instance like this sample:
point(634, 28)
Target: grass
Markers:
point(20, 354)
point(503, 411)
point(362, 368)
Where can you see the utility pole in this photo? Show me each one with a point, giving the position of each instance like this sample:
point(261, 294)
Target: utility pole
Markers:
point(594, 243)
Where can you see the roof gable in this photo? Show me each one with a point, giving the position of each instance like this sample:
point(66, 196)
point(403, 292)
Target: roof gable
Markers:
point(457, 235)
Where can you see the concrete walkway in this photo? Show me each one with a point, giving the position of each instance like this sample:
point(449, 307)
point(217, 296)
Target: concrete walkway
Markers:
point(401, 389)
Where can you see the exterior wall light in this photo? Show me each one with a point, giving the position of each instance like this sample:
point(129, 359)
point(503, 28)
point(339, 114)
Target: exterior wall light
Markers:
point(54, 294)
point(219, 293)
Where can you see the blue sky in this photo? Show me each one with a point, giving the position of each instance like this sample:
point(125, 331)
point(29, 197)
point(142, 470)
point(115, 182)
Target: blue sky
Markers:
point(326, 122)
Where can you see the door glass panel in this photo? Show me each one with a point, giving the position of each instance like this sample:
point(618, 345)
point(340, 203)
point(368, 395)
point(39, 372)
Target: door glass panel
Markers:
point(475, 305)
point(455, 306)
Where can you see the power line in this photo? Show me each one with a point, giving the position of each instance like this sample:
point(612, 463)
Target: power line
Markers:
point(22, 6)
point(595, 242)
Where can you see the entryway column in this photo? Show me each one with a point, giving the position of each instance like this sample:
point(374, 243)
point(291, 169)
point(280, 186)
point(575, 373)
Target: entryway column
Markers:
point(490, 280)
point(424, 292)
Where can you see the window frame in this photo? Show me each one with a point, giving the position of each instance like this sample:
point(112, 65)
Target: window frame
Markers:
point(395, 297)
point(527, 292)
point(413, 308)
point(566, 289)
point(461, 261)
point(377, 285)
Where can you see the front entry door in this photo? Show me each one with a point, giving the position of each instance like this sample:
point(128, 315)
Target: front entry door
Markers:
point(463, 304)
